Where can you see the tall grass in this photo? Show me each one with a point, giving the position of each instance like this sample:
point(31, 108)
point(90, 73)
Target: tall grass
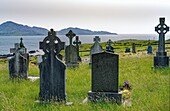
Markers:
point(150, 88)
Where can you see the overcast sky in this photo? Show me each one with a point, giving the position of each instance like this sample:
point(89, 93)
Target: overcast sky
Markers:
point(120, 16)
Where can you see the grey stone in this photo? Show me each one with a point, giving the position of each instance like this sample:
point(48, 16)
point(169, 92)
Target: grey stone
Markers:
point(77, 42)
point(96, 48)
point(149, 49)
point(127, 50)
point(161, 59)
point(71, 52)
point(52, 70)
point(105, 77)
point(109, 47)
point(18, 65)
point(133, 48)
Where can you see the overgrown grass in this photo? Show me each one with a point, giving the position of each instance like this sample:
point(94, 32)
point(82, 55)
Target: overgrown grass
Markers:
point(150, 87)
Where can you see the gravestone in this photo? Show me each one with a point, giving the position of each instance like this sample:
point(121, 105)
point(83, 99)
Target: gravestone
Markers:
point(71, 52)
point(105, 78)
point(77, 42)
point(127, 50)
point(18, 64)
point(52, 70)
point(149, 49)
point(96, 48)
point(161, 59)
point(133, 48)
point(109, 47)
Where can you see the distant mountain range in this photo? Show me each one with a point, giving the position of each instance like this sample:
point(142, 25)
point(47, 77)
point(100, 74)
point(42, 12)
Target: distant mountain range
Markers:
point(10, 28)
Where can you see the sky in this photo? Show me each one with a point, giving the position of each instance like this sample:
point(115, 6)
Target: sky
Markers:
point(120, 16)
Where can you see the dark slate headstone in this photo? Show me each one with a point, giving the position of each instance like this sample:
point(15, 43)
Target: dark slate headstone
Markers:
point(71, 52)
point(133, 48)
point(161, 59)
point(18, 64)
point(105, 77)
point(52, 70)
point(77, 42)
point(127, 50)
point(96, 48)
point(109, 47)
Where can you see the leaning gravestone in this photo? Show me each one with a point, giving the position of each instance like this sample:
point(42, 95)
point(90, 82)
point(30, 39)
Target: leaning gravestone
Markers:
point(149, 49)
point(133, 48)
point(96, 48)
point(105, 78)
point(71, 51)
point(18, 65)
point(77, 42)
point(52, 70)
point(109, 47)
point(161, 59)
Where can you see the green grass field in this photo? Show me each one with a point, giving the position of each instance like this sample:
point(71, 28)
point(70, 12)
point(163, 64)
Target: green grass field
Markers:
point(150, 87)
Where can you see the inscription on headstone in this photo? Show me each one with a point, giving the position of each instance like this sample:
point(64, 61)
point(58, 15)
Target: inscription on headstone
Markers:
point(52, 70)
point(109, 47)
point(105, 77)
point(96, 48)
point(161, 59)
point(71, 52)
point(18, 65)
point(77, 42)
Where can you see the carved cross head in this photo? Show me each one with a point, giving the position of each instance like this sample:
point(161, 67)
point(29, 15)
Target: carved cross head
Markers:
point(96, 39)
point(70, 35)
point(162, 27)
point(77, 41)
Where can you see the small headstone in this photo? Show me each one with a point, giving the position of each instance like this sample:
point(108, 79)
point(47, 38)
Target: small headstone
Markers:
point(133, 48)
point(18, 64)
point(71, 52)
point(52, 70)
point(149, 49)
point(127, 50)
point(77, 42)
point(96, 48)
point(161, 59)
point(105, 77)
point(109, 47)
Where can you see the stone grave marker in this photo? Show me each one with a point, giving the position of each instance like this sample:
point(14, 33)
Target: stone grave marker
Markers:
point(133, 48)
point(52, 70)
point(96, 48)
point(71, 52)
point(149, 49)
point(109, 47)
point(18, 64)
point(161, 59)
point(105, 78)
point(77, 42)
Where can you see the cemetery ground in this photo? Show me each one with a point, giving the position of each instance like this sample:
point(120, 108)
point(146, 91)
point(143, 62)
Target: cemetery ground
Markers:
point(150, 87)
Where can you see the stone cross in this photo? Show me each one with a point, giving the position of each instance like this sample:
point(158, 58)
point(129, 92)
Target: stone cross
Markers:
point(161, 59)
point(52, 70)
point(109, 42)
point(21, 43)
point(70, 35)
point(96, 39)
point(77, 42)
point(161, 29)
point(109, 47)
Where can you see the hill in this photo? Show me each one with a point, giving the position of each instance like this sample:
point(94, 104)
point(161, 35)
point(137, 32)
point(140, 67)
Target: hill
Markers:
point(80, 31)
point(10, 28)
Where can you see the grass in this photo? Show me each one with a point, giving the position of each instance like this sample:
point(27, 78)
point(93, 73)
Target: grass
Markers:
point(151, 88)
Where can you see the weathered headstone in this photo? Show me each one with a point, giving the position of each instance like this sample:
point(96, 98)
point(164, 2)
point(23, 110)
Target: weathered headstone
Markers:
point(52, 70)
point(133, 48)
point(105, 77)
point(127, 50)
point(149, 49)
point(109, 47)
point(96, 48)
point(161, 59)
point(71, 52)
point(18, 65)
point(77, 42)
